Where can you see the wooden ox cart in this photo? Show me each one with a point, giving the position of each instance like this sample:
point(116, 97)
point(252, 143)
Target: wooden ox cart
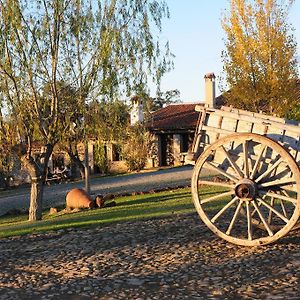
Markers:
point(246, 180)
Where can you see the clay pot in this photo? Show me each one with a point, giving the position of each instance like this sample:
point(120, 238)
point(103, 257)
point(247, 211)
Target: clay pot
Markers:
point(78, 198)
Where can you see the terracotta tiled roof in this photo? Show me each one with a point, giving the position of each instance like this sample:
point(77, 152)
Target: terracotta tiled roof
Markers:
point(183, 116)
point(175, 116)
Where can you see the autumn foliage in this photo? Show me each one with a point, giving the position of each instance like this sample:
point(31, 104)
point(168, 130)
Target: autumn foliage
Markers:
point(260, 59)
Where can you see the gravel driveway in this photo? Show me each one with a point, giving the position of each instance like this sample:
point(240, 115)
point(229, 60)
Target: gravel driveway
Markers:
point(55, 194)
point(168, 258)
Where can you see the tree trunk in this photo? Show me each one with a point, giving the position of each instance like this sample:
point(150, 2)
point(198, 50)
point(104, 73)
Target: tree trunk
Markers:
point(87, 169)
point(36, 200)
point(78, 163)
point(3, 181)
point(36, 193)
point(45, 156)
point(37, 172)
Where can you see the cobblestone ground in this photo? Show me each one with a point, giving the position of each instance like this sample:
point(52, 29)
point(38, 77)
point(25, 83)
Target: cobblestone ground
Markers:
point(169, 258)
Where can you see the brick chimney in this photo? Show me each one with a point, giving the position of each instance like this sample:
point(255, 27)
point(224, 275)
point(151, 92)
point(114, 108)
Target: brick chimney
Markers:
point(136, 113)
point(210, 90)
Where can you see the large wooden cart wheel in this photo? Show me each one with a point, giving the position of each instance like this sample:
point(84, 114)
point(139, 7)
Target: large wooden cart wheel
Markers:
point(246, 189)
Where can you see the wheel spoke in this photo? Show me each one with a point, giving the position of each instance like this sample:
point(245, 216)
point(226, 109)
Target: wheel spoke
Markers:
point(217, 197)
point(259, 204)
point(270, 212)
point(287, 195)
point(254, 211)
point(221, 184)
point(282, 197)
point(255, 168)
point(249, 221)
point(231, 177)
point(282, 217)
point(283, 181)
point(234, 218)
point(288, 188)
point(215, 217)
point(267, 172)
point(270, 232)
point(283, 208)
point(232, 163)
point(246, 159)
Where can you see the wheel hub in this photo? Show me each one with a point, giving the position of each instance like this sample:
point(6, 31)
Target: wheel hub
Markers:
point(245, 189)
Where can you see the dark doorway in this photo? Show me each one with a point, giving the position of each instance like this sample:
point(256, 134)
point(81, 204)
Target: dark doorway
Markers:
point(185, 142)
point(166, 143)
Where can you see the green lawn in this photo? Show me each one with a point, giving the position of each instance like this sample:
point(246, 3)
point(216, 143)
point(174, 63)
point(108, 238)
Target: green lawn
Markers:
point(128, 208)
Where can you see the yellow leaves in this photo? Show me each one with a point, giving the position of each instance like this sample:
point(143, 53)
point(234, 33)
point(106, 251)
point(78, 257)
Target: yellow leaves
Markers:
point(260, 55)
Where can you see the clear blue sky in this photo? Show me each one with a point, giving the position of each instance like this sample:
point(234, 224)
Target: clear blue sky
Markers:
point(196, 38)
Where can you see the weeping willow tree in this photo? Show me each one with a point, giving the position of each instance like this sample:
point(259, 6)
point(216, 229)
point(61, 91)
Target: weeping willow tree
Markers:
point(94, 48)
point(260, 62)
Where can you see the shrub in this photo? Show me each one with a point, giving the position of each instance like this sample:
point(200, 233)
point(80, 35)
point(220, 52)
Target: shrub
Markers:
point(135, 147)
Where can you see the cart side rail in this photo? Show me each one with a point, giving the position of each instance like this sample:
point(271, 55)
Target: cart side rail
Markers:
point(216, 123)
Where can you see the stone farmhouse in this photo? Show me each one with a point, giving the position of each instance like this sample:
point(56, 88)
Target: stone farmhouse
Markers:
point(172, 129)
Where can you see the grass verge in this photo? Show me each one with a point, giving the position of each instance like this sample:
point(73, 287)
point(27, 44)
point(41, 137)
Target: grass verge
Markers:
point(128, 208)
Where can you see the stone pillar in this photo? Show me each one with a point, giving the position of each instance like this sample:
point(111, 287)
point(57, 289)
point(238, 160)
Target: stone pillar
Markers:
point(152, 157)
point(159, 151)
point(176, 148)
point(210, 90)
point(91, 156)
point(109, 149)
